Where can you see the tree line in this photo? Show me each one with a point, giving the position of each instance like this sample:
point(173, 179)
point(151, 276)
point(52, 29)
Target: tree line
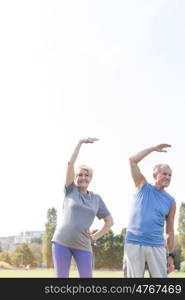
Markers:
point(108, 250)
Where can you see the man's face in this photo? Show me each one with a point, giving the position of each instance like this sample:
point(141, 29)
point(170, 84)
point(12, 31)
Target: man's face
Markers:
point(163, 176)
point(82, 178)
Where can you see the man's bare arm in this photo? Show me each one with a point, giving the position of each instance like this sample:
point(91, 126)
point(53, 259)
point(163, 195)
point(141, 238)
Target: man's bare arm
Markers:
point(137, 176)
point(170, 228)
point(170, 237)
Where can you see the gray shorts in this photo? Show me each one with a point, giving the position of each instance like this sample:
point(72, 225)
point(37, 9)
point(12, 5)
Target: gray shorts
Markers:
point(137, 256)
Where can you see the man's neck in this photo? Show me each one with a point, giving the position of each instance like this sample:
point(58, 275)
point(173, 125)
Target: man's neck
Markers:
point(159, 187)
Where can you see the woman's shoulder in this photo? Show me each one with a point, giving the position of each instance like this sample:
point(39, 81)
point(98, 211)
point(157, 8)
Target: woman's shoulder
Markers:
point(70, 188)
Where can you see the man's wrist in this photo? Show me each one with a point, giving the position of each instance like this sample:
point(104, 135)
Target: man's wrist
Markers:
point(154, 148)
point(172, 254)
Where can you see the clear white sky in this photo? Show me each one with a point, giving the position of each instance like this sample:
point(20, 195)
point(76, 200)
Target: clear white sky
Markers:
point(70, 69)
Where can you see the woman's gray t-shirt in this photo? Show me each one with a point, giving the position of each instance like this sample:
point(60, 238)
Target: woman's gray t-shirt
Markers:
point(79, 211)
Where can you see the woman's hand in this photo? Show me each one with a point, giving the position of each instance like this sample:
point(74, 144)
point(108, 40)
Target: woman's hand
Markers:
point(89, 140)
point(91, 235)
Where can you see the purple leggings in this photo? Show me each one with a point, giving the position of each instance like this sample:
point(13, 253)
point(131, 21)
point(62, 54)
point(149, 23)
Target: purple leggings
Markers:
point(62, 260)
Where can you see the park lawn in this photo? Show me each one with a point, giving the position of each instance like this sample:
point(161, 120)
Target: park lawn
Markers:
point(49, 273)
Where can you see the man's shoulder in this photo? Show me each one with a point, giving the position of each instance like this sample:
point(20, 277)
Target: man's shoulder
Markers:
point(142, 188)
point(169, 196)
point(145, 185)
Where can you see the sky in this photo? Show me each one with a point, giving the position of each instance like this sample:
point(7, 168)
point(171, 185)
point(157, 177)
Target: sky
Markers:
point(110, 69)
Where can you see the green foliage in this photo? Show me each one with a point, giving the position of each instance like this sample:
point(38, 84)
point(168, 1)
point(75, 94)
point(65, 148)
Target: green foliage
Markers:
point(182, 266)
point(22, 255)
point(50, 227)
point(5, 265)
point(36, 240)
point(178, 253)
point(108, 251)
point(5, 256)
point(181, 229)
point(181, 221)
point(37, 250)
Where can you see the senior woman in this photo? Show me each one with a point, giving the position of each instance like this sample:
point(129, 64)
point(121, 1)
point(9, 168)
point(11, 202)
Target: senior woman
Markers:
point(73, 238)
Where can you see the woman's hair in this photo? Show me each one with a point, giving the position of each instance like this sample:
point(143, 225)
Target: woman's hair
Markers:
point(87, 168)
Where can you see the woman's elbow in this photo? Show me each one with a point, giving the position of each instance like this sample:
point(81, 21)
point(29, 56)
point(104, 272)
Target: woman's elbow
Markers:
point(111, 222)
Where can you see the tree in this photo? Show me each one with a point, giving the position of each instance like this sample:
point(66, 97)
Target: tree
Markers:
point(22, 255)
point(178, 252)
point(119, 249)
point(50, 227)
point(5, 256)
point(108, 250)
point(36, 248)
point(102, 251)
point(181, 228)
point(36, 240)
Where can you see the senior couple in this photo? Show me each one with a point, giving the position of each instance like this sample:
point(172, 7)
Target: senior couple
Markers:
point(153, 210)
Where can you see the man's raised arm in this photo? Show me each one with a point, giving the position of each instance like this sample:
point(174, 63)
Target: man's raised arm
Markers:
point(137, 176)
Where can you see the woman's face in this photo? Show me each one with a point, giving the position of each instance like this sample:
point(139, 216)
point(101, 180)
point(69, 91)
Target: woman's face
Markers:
point(82, 178)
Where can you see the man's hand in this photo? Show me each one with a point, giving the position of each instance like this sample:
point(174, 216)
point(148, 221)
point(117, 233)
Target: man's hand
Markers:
point(170, 265)
point(159, 148)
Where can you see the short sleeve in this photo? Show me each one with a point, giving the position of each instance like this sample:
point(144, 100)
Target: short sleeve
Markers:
point(69, 188)
point(102, 209)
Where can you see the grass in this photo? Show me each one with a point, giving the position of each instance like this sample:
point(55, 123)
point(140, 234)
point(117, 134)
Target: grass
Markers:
point(49, 273)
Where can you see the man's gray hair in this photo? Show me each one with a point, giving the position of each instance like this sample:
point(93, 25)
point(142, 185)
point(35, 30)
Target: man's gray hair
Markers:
point(158, 167)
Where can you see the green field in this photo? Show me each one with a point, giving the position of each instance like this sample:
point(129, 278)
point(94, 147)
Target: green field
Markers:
point(45, 273)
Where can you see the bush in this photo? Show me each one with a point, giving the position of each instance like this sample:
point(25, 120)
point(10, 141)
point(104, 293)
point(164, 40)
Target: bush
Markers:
point(182, 266)
point(5, 256)
point(5, 265)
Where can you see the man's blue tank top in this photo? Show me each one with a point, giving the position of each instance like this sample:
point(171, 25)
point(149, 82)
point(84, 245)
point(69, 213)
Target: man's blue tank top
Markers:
point(148, 215)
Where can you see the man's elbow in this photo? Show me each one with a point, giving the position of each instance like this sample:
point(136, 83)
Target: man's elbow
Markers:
point(170, 233)
point(131, 160)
